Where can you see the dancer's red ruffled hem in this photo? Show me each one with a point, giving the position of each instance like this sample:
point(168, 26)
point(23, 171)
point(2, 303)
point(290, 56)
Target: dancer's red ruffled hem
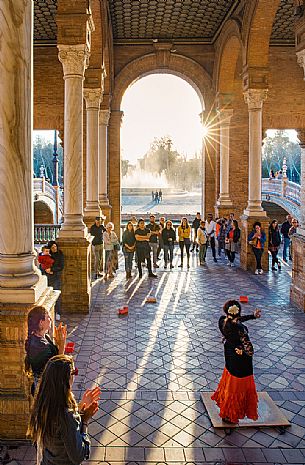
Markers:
point(236, 397)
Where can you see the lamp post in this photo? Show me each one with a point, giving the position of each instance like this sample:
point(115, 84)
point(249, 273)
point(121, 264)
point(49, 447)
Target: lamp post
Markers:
point(55, 178)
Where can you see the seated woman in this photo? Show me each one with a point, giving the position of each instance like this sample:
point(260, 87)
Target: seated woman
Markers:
point(39, 346)
point(56, 425)
point(236, 394)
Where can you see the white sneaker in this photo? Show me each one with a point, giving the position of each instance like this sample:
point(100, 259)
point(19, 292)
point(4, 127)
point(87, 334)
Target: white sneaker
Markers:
point(256, 272)
point(232, 265)
point(229, 264)
point(260, 271)
point(57, 317)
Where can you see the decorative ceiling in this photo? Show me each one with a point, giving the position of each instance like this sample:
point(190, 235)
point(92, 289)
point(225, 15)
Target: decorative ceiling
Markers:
point(180, 20)
point(44, 21)
point(168, 19)
point(283, 26)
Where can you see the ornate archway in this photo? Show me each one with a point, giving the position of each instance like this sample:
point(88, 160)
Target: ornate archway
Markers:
point(164, 60)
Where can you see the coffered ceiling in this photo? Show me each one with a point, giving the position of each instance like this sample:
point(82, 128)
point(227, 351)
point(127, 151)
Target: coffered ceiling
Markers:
point(180, 20)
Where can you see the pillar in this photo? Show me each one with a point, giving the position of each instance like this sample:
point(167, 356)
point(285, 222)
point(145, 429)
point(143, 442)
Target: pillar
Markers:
point(73, 237)
point(103, 163)
point(224, 203)
point(254, 211)
point(115, 168)
point(21, 284)
point(92, 209)
point(297, 289)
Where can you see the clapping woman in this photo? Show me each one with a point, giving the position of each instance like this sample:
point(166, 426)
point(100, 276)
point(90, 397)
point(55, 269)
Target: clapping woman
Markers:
point(40, 346)
point(57, 426)
point(236, 394)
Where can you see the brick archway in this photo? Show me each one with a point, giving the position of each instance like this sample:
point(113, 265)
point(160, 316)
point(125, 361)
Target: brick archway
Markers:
point(163, 61)
point(42, 213)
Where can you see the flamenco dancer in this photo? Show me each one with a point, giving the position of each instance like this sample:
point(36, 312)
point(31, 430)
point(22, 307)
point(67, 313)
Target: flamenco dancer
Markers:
point(236, 394)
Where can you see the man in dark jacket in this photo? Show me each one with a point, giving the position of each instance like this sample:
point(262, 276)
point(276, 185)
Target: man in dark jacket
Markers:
point(97, 230)
point(195, 226)
point(286, 239)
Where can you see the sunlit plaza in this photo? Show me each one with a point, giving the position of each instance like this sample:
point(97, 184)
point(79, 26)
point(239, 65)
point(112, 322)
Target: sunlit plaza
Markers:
point(152, 202)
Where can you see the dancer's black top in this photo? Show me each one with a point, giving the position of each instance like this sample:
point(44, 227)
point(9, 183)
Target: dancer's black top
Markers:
point(236, 336)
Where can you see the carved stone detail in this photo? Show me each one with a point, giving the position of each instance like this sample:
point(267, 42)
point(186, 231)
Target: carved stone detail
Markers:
point(301, 59)
point(255, 98)
point(74, 58)
point(92, 97)
point(104, 117)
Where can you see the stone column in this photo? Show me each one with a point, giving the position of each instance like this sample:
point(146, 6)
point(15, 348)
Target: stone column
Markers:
point(254, 98)
point(93, 99)
point(74, 59)
point(115, 167)
point(297, 289)
point(254, 211)
point(224, 203)
point(74, 240)
point(103, 163)
point(21, 283)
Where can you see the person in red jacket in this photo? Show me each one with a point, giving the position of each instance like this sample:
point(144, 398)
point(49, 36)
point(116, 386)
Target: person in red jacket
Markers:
point(45, 260)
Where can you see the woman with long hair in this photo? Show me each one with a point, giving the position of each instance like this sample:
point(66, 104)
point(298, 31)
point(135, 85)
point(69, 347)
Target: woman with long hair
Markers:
point(55, 425)
point(232, 242)
point(274, 244)
point(236, 394)
point(184, 234)
point(129, 246)
point(39, 345)
point(168, 238)
point(257, 239)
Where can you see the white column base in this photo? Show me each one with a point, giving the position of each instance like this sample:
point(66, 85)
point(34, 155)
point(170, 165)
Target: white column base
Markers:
point(103, 200)
point(224, 201)
point(255, 210)
point(24, 295)
point(73, 226)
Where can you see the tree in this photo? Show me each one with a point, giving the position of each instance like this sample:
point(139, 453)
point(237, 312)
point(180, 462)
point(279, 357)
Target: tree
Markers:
point(275, 149)
point(43, 156)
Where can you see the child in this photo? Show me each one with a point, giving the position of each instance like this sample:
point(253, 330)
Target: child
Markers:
point(45, 260)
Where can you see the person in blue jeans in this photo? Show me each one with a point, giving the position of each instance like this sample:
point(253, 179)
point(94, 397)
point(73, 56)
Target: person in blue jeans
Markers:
point(129, 246)
point(168, 237)
point(257, 239)
point(286, 239)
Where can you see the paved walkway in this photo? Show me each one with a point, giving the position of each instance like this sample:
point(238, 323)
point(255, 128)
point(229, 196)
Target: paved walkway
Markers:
point(172, 204)
point(152, 365)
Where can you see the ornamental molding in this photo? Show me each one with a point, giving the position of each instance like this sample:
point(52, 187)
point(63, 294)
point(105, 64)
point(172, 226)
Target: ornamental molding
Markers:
point(301, 59)
point(224, 115)
point(93, 97)
point(74, 59)
point(104, 116)
point(255, 98)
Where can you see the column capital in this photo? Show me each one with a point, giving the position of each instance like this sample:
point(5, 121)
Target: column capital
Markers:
point(74, 58)
point(301, 59)
point(92, 97)
point(255, 98)
point(225, 115)
point(104, 117)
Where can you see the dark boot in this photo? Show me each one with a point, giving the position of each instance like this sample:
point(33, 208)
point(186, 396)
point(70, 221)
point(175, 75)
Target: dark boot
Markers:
point(181, 264)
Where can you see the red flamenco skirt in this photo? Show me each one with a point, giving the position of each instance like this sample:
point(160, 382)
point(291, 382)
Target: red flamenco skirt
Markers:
point(236, 397)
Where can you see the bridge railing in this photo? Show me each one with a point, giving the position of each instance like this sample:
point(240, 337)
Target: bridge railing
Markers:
point(281, 188)
point(44, 233)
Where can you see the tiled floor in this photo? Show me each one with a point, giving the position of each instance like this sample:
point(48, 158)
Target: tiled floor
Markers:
point(152, 364)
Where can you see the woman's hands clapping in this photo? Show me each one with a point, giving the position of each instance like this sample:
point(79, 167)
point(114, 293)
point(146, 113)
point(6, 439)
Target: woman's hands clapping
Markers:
point(60, 336)
point(90, 396)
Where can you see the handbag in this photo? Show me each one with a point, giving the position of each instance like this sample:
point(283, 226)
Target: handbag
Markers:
point(253, 242)
point(117, 246)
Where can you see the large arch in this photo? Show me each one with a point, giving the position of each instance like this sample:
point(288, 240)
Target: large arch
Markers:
point(163, 61)
point(257, 28)
point(229, 47)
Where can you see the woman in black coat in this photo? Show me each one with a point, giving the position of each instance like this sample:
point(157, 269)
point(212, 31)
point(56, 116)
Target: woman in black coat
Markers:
point(274, 243)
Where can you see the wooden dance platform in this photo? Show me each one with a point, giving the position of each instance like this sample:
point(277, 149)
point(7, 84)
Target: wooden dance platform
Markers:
point(269, 413)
